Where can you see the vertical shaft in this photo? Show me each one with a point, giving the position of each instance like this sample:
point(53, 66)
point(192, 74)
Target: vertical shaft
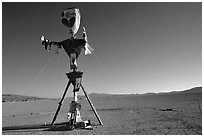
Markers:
point(75, 96)
point(60, 103)
point(75, 99)
point(94, 110)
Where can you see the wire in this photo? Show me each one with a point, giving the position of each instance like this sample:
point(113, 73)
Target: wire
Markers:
point(57, 68)
point(33, 80)
point(101, 66)
point(38, 75)
point(107, 76)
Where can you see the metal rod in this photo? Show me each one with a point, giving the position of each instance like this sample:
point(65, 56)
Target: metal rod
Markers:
point(75, 96)
point(60, 103)
point(75, 99)
point(94, 110)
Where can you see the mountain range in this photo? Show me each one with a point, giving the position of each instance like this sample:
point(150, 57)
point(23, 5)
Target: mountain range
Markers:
point(17, 98)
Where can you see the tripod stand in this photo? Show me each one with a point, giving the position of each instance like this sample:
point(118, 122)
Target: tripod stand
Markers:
point(75, 121)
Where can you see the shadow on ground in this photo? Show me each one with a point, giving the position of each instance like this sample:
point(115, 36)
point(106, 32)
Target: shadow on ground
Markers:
point(57, 127)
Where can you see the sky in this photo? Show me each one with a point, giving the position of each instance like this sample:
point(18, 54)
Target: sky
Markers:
point(139, 47)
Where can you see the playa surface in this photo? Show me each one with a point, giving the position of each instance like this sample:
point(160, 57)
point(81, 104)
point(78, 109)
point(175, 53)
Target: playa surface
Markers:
point(164, 113)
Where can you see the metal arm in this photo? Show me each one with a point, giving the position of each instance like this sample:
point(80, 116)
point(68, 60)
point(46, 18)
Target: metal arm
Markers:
point(49, 43)
point(88, 48)
point(85, 35)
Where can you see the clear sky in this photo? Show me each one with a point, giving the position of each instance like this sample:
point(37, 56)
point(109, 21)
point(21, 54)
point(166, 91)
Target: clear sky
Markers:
point(139, 47)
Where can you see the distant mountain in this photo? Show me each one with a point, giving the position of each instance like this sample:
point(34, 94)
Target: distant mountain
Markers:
point(17, 98)
point(99, 94)
point(192, 90)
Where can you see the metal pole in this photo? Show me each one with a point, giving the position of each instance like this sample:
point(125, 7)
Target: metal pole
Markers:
point(75, 96)
point(60, 103)
point(94, 110)
point(75, 100)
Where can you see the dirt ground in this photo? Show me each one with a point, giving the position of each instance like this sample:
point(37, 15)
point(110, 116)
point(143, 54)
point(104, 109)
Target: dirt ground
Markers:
point(163, 114)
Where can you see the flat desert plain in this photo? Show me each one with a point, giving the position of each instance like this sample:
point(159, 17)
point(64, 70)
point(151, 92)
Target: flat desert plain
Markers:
point(175, 113)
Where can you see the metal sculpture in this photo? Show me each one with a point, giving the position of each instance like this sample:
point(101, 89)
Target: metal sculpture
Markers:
point(70, 17)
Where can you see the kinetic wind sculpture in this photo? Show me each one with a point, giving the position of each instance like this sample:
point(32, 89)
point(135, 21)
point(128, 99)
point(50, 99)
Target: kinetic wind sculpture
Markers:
point(71, 18)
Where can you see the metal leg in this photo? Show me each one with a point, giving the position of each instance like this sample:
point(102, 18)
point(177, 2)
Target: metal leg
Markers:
point(60, 103)
point(94, 110)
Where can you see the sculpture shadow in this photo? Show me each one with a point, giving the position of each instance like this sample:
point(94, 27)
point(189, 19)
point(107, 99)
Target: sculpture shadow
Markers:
point(57, 127)
point(43, 127)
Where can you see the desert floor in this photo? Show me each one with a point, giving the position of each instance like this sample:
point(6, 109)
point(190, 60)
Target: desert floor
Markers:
point(170, 114)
